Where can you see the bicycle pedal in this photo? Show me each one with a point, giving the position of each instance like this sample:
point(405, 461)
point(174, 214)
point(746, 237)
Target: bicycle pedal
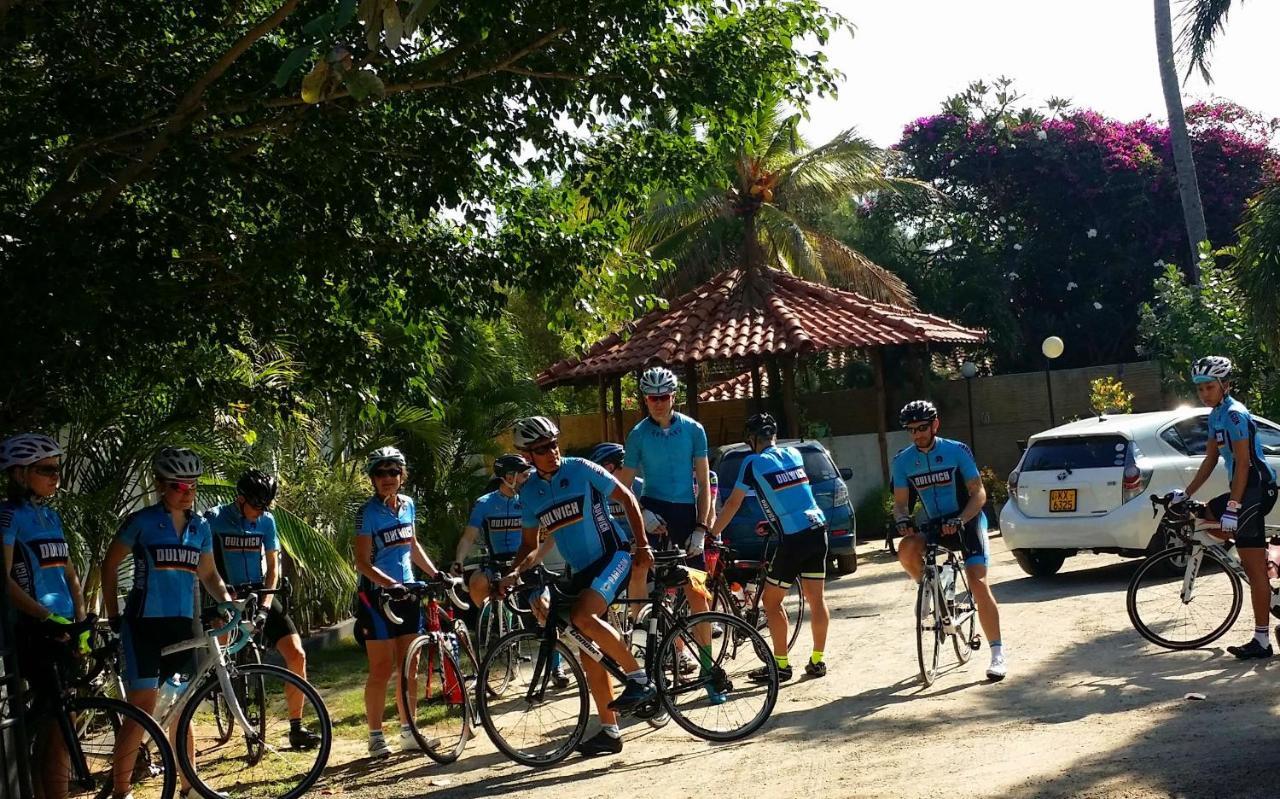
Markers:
point(647, 710)
point(975, 643)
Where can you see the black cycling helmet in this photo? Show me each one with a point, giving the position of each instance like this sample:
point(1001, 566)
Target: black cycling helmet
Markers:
point(917, 411)
point(504, 465)
point(761, 424)
point(257, 487)
point(607, 453)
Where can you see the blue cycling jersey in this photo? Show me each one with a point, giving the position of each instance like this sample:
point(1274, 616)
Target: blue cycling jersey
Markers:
point(939, 477)
point(40, 554)
point(240, 545)
point(777, 477)
point(500, 517)
point(164, 562)
point(666, 457)
point(393, 537)
point(616, 510)
point(1231, 421)
point(572, 504)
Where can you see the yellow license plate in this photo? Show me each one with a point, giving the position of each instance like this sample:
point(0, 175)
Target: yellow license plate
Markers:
point(1062, 500)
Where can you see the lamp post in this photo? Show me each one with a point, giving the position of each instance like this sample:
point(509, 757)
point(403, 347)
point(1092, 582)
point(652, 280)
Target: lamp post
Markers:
point(969, 370)
point(1052, 348)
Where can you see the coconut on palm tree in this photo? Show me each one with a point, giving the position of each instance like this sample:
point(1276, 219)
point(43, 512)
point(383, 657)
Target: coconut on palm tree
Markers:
point(753, 212)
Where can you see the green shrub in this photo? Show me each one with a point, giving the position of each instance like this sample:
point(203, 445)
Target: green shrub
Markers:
point(997, 488)
point(874, 512)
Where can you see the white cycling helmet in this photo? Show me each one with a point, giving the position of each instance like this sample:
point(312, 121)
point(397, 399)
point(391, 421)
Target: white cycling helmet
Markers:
point(532, 429)
point(177, 463)
point(1210, 368)
point(383, 455)
point(658, 380)
point(25, 449)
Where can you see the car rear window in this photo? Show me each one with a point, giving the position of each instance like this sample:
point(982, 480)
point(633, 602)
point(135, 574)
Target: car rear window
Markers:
point(1089, 452)
point(817, 464)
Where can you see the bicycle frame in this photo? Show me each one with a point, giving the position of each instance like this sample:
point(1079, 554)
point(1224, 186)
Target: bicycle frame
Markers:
point(215, 659)
point(660, 619)
point(1195, 533)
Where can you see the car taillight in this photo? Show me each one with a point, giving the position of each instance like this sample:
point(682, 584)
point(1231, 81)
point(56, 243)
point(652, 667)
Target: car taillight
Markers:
point(1135, 482)
point(1013, 481)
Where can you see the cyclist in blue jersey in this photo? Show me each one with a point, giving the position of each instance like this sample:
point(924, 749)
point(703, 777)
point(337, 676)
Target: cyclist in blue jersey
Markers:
point(40, 580)
point(1241, 511)
point(246, 549)
point(172, 547)
point(568, 497)
point(387, 549)
point(500, 515)
point(609, 456)
point(943, 475)
point(777, 477)
point(671, 450)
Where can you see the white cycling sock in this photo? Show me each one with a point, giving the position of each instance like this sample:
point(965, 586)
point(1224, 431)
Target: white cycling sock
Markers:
point(611, 730)
point(639, 677)
point(1262, 635)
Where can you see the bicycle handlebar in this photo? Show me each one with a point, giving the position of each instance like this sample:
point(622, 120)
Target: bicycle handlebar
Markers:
point(441, 586)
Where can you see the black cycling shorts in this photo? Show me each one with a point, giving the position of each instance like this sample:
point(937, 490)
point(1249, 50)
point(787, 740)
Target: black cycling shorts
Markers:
point(278, 625)
point(1251, 532)
point(970, 542)
point(142, 638)
point(681, 518)
point(799, 555)
point(372, 625)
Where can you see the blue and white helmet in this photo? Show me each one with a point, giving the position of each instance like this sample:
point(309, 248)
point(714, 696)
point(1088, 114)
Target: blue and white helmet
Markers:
point(383, 455)
point(25, 449)
point(532, 429)
point(1210, 368)
point(658, 380)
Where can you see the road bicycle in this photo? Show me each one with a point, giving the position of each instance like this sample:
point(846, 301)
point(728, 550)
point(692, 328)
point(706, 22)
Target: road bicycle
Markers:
point(944, 606)
point(74, 733)
point(222, 696)
point(537, 723)
point(498, 615)
point(737, 585)
point(1188, 595)
point(438, 672)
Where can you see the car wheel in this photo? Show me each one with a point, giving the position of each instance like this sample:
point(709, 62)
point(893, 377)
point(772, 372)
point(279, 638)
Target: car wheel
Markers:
point(844, 564)
point(1040, 562)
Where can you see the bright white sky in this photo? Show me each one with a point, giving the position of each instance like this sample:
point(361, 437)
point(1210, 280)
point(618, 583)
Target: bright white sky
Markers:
point(908, 55)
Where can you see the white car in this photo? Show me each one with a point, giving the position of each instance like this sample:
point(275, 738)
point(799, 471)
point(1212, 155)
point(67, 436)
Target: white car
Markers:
point(1083, 486)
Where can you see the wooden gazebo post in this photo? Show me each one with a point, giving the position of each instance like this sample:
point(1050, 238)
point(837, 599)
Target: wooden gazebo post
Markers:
point(617, 409)
point(882, 433)
point(604, 411)
point(789, 395)
point(691, 389)
point(757, 389)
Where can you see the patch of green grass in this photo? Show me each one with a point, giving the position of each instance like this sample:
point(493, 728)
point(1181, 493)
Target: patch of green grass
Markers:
point(338, 673)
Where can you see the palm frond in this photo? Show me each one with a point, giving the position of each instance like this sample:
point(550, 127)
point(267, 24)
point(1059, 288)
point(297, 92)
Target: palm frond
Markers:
point(1258, 266)
point(858, 273)
point(846, 166)
point(672, 218)
point(787, 245)
point(1202, 22)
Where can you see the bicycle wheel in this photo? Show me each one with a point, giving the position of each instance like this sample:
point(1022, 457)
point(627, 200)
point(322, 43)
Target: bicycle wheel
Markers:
point(441, 715)
point(962, 606)
point(533, 723)
point(1166, 615)
point(929, 634)
point(254, 764)
point(793, 607)
point(720, 703)
point(147, 769)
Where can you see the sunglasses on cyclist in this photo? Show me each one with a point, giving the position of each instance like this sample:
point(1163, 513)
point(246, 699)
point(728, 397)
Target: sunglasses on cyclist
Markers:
point(920, 428)
point(543, 449)
point(47, 471)
point(180, 486)
point(386, 473)
point(658, 397)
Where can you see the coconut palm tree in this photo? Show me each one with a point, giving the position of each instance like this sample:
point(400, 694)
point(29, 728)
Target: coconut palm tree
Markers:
point(1184, 164)
point(755, 211)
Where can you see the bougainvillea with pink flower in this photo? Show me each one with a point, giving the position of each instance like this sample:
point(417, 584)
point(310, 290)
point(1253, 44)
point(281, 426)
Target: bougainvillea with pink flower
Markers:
point(1059, 224)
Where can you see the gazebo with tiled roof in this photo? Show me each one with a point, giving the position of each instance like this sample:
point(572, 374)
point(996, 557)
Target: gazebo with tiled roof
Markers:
point(742, 319)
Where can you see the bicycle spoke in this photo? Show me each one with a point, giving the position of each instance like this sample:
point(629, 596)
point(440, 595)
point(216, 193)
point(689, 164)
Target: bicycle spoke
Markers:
point(538, 731)
point(117, 750)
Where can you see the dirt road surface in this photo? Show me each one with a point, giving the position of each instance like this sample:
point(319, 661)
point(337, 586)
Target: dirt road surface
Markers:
point(1089, 710)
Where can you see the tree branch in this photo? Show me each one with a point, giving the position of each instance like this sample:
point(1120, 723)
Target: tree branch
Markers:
point(189, 105)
